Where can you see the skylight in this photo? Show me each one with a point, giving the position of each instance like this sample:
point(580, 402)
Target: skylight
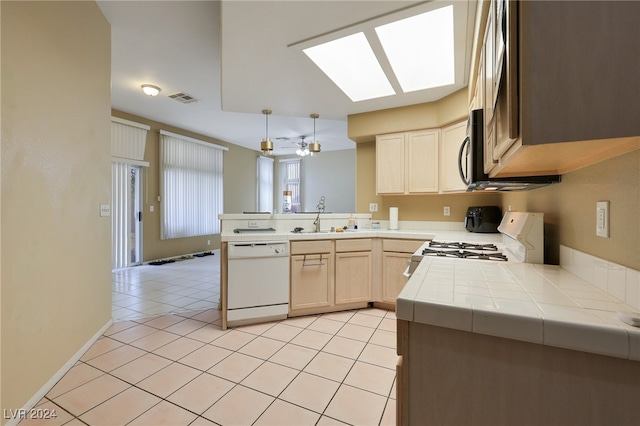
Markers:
point(420, 49)
point(351, 64)
point(416, 53)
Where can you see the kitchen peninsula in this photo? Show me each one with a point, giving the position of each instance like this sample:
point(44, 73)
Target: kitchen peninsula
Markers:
point(329, 270)
point(496, 343)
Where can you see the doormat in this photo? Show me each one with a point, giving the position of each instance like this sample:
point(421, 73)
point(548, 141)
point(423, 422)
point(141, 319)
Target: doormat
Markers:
point(206, 253)
point(161, 262)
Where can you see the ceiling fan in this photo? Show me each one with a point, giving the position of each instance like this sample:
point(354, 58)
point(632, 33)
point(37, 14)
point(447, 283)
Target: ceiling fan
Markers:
point(301, 147)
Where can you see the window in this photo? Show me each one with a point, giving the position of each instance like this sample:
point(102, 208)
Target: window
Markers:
point(191, 186)
point(265, 184)
point(290, 172)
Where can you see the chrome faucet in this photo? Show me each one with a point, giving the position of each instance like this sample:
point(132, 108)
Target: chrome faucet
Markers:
point(320, 208)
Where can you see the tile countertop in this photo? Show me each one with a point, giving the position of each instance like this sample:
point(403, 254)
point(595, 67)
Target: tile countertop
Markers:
point(465, 236)
point(290, 236)
point(285, 223)
point(542, 304)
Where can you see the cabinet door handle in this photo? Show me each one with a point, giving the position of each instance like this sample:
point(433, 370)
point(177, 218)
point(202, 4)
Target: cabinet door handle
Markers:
point(319, 263)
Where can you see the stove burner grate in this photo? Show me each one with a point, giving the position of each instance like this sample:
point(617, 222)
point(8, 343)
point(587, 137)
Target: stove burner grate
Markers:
point(463, 246)
point(465, 254)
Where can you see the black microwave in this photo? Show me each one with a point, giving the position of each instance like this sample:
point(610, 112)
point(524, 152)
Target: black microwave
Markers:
point(471, 164)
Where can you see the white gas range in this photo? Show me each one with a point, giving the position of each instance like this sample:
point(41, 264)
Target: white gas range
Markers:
point(522, 241)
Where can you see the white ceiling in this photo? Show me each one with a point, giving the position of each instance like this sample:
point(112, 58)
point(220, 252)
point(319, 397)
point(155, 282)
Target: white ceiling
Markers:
point(233, 56)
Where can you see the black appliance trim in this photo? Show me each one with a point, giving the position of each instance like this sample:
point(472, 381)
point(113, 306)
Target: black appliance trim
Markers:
point(478, 180)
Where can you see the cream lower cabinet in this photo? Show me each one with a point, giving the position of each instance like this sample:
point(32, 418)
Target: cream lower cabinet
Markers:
point(312, 275)
point(395, 259)
point(333, 275)
point(353, 271)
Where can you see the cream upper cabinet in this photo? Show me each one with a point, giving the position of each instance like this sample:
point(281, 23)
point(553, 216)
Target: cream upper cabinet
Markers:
point(552, 103)
point(451, 139)
point(407, 163)
point(422, 158)
point(390, 164)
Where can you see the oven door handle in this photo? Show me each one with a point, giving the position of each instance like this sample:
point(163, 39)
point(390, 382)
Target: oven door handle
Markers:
point(406, 273)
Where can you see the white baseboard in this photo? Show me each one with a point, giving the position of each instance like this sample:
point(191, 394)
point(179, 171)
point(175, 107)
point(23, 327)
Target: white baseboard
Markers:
point(56, 377)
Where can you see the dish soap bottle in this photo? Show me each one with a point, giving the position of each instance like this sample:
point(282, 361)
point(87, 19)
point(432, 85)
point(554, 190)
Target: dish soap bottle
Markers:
point(352, 222)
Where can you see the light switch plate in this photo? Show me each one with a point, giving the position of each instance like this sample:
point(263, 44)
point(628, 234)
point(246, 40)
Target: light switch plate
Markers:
point(602, 219)
point(373, 207)
point(105, 210)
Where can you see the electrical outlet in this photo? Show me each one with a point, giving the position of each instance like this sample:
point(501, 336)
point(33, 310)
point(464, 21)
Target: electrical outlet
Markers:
point(447, 211)
point(253, 224)
point(373, 207)
point(602, 219)
point(151, 208)
point(208, 242)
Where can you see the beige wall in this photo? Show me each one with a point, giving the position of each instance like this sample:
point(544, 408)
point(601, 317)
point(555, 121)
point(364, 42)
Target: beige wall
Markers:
point(365, 126)
point(239, 190)
point(56, 171)
point(570, 210)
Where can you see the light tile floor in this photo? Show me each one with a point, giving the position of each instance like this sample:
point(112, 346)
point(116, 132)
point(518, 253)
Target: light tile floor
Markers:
point(180, 368)
point(182, 286)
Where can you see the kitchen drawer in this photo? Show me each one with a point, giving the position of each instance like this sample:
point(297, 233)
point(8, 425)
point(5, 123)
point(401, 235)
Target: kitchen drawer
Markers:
point(359, 244)
point(311, 247)
point(401, 246)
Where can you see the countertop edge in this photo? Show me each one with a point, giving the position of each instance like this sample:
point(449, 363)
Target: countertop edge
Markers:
point(577, 328)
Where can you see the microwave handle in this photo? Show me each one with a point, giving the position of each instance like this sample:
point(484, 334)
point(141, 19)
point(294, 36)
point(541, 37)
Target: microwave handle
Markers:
point(461, 170)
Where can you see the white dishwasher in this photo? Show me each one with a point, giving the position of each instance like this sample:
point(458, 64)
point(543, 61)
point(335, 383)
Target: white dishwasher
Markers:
point(257, 281)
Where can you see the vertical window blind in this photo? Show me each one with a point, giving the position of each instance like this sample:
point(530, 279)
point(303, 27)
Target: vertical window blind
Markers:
point(290, 172)
point(191, 177)
point(265, 184)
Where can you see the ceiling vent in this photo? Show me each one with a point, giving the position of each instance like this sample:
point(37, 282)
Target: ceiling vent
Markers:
point(183, 97)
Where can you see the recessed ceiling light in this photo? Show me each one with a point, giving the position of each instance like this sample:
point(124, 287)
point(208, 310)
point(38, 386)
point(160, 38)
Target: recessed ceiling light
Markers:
point(420, 49)
point(150, 89)
point(351, 64)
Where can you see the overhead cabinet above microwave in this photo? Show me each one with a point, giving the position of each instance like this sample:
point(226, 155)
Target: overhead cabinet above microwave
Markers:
point(558, 83)
point(420, 162)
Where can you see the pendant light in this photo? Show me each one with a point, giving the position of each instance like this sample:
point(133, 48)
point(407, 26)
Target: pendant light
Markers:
point(314, 146)
point(266, 146)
